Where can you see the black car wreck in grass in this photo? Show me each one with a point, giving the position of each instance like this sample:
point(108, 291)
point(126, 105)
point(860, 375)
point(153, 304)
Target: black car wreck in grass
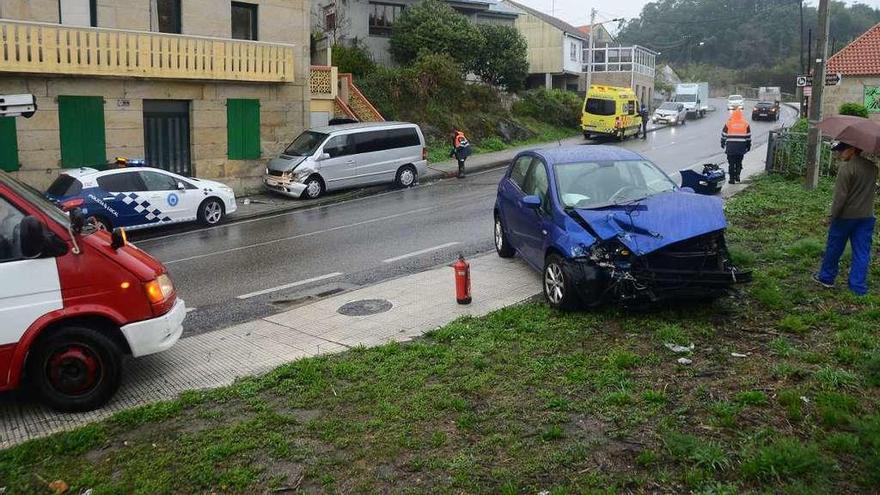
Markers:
point(606, 225)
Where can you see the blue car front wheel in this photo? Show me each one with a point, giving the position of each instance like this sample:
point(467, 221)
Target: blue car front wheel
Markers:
point(558, 287)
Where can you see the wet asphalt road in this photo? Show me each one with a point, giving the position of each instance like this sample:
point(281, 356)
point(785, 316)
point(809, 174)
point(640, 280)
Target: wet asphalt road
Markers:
point(238, 272)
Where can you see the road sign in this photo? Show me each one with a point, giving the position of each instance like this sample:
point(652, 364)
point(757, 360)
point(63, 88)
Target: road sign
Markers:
point(830, 80)
point(808, 91)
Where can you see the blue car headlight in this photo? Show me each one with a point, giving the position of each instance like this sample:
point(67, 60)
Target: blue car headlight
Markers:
point(579, 251)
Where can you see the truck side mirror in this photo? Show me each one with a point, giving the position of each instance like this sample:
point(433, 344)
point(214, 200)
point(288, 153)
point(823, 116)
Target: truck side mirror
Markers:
point(33, 240)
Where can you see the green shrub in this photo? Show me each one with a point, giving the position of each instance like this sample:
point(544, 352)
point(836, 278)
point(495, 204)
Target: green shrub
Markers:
point(855, 109)
point(553, 106)
point(354, 59)
point(786, 458)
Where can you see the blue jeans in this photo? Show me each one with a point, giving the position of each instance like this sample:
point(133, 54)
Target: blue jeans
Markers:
point(858, 231)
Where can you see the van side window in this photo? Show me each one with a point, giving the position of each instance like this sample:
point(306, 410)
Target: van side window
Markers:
point(372, 141)
point(520, 168)
point(342, 145)
point(10, 241)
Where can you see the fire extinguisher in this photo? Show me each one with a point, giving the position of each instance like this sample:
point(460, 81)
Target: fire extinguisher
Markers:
point(462, 280)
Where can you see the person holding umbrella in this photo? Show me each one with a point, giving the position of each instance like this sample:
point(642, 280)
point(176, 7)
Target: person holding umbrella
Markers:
point(852, 210)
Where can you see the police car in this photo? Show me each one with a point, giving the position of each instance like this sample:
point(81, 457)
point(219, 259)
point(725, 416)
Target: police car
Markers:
point(141, 197)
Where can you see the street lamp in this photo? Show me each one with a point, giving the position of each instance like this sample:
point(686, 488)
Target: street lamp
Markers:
point(590, 51)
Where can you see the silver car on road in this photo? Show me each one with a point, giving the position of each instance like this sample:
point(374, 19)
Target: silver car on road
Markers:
point(349, 155)
point(671, 113)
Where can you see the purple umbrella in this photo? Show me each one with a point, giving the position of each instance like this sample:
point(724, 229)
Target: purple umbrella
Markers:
point(862, 133)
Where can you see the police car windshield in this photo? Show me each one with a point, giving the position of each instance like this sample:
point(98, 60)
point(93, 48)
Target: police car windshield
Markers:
point(305, 144)
point(35, 198)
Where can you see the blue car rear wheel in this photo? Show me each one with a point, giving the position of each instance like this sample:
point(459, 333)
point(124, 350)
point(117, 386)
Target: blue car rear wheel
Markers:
point(502, 246)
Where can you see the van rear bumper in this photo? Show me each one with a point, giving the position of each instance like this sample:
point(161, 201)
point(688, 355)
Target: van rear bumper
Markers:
point(157, 334)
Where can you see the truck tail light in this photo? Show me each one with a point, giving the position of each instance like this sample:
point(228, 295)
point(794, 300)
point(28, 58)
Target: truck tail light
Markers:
point(72, 203)
point(424, 153)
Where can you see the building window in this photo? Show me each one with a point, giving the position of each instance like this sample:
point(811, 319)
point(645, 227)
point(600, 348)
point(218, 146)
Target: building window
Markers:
point(8, 145)
point(330, 17)
point(382, 16)
point(574, 52)
point(244, 21)
point(78, 12)
point(243, 129)
point(168, 16)
point(81, 123)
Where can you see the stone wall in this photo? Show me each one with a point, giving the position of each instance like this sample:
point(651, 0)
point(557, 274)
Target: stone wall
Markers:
point(284, 113)
point(851, 90)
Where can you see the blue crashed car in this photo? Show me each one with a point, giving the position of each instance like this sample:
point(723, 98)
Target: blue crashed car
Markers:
point(604, 224)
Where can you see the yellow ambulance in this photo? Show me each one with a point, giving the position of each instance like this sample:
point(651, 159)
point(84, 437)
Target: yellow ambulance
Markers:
point(611, 111)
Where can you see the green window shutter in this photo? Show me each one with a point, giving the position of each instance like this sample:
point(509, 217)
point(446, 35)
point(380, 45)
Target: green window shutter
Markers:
point(243, 129)
point(8, 145)
point(81, 120)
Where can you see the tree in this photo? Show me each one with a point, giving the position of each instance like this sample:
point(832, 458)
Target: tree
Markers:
point(502, 60)
point(434, 27)
point(354, 59)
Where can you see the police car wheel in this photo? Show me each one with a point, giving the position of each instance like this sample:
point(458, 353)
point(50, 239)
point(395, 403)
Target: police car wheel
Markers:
point(75, 369)
point(314, 188)
point(211, 211)
point(406, 176)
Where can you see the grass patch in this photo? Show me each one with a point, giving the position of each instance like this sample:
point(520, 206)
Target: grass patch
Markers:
point(527, 399)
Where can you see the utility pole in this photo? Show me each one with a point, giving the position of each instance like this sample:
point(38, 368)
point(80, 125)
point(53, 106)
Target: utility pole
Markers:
point(800, 90)
point(814, 138)
point(590, 50)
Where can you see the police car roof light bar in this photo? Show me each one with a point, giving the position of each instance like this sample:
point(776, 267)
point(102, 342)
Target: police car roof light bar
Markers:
point(24, 105)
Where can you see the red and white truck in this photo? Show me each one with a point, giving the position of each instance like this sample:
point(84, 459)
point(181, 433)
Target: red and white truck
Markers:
point(74, 301)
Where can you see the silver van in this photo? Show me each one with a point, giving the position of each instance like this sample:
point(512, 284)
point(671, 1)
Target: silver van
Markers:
point(349, 155)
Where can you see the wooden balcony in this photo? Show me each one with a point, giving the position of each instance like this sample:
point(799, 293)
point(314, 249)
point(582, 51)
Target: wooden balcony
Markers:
point(36, 48)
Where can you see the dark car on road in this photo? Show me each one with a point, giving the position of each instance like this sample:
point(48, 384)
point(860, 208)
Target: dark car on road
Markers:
point(604, 224)
point(766, 110)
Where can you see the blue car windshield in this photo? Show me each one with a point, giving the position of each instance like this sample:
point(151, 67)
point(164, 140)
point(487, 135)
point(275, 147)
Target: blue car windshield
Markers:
point(605, 183)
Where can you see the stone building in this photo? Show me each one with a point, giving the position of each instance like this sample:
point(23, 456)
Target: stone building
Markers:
point(859, 62)
point(209, 88)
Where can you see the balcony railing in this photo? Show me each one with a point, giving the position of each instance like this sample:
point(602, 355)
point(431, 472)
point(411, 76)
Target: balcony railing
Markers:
point(54, 49)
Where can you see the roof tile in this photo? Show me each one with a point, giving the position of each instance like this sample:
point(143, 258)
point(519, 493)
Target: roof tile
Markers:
point(861, 57)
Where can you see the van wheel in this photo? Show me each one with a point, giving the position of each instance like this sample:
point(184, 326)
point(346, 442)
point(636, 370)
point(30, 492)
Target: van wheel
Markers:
point(314, 188)
point(586, 135)
point(407, 176)
point(502, 245)
point(75, 369)
point(211, 211)
point(559, 290)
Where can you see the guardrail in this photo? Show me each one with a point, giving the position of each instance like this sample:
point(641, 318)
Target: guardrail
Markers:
point(38, 48)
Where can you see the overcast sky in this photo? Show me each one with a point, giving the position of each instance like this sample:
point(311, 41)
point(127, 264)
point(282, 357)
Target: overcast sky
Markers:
point(577, 12)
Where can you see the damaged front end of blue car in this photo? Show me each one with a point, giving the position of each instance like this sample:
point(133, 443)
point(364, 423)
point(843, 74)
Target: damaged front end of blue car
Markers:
point(667, 246)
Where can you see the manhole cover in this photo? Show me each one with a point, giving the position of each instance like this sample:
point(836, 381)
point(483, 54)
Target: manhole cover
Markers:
point(364, 307)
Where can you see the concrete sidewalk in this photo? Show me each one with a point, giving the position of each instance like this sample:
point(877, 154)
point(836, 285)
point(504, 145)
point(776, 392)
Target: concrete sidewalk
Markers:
point(413, 305)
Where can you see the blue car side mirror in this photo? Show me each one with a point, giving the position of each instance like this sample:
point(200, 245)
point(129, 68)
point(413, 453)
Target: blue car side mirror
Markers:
point(532, 202)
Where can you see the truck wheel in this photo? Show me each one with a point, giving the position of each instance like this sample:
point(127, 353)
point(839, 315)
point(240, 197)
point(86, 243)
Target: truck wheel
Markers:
point(75, 369)
point(559, 291)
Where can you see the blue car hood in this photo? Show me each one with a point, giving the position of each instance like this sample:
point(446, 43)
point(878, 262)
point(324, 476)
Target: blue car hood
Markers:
point(658, 221)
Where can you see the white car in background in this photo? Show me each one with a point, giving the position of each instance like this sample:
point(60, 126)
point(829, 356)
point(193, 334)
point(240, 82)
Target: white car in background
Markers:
point(670, 112)
point(735, 101)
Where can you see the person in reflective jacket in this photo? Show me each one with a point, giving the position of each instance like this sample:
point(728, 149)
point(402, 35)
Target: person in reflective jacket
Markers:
point(736, 139)
point(461, 149)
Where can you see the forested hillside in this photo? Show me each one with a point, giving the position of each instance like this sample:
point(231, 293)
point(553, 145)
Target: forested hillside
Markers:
point(758, 40)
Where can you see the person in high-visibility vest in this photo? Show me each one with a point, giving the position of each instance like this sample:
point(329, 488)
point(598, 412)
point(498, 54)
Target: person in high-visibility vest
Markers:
point(736, 139)
point(461, 149)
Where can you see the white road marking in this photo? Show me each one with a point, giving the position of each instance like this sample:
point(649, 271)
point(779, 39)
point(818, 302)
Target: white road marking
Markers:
point(299, 236)
point(288, 286)
point(423, 251)
point(190, 310)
